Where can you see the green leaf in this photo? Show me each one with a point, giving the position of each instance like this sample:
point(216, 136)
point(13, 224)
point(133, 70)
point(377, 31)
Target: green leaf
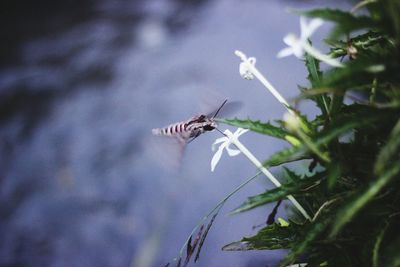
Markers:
point(334, 171)
point(315, 78)
point(389, 154)
point(392, 256)
point(306, 126)
point(279, 193)
point(360, 73)
point(387, 13)
point(356, 74)
point(258, 127)
point(389, 251)
point(291, 176)
point(351, 117)
point(282, 222)
point(287, 155)
point(309, 234)
point(394, 260)
point(314, 73)
point(340, 125)
point(363, 44)
point(377, 244)
point(273, 236)
point(203, 237)
point(346, 21)
point(358, 189)
point(353, 207)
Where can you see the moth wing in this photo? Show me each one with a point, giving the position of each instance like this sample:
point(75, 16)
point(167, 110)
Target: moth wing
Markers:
point(211, 101)
point(228, 109)
point(166, 151)
point(192, 138)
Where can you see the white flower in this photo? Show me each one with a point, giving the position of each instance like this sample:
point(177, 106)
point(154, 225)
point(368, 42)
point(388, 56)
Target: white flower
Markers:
point(291, 120)
point(244, 68)
point(232, 138)
point(248, 71)
point(295, 47)
point(298, 46)
point(226, 141)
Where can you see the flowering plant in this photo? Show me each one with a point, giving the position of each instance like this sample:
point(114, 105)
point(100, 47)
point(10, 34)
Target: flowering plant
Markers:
point(346, 203)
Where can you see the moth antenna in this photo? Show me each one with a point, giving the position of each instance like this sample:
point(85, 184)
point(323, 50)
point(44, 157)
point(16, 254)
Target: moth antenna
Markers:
point(220, 131)
point(216, 113)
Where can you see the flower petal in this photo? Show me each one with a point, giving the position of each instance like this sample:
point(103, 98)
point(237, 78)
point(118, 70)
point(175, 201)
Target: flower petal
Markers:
point(322, 57)
point(216, 157)
point(290, 39)
point(285, 52)
point(245, 72)
point(240, 131)
point(303, 26)
point(226, 141)
point(245, 68)
point(298, 51)
point(227, 133)
point(232, 152)
point(308, 29)
point(219, 140)
point(295, 46)
point(315, 24)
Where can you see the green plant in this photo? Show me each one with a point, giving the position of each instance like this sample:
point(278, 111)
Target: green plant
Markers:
point(351, 191)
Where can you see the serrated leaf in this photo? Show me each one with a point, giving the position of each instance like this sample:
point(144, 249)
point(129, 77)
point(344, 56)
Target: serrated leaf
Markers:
point(315, 78)
point(272, 236)
point(387, 12)
point(309, 234)
point(314, 73)
point(203, 238)
point(291, 176)
point(353, 117)
point(306, 126)
point(334, 172)
point(355, 75)
point(191, 247)
point(271, 216)
point(342, 124)
point(293, 140)
point(392, 256)
point(377, 244)
point(362, 43)
point(354, 206)
point(346, 21)
point(258, 127)
point(282, 222)
point(287, 155)
point(278, 193)
point(178, 264)
point(359, 74)
point(389, 154)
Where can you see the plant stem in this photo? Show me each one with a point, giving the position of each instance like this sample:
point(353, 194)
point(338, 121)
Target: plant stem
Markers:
point(361, 4)
point(217, 208)
point(322, 57)
point(263, 80)
point(269, 175)
point(251, 67)
point(313, 147)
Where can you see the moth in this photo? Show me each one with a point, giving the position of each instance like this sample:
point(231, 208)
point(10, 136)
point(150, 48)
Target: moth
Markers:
point(187, 131)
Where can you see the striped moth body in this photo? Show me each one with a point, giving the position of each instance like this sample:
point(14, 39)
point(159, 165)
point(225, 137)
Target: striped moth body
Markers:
point(186, 131)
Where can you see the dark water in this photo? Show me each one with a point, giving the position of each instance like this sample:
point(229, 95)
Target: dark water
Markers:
point(81, 85)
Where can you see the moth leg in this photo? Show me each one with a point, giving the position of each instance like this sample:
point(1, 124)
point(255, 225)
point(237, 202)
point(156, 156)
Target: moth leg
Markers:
point(194, 137)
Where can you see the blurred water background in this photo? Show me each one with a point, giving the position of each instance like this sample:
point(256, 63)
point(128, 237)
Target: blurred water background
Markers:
point(82, 83)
